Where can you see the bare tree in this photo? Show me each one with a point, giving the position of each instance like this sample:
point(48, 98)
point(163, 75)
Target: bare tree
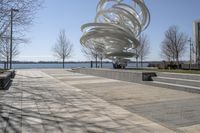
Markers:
point(5, 50)
point(93, 53)
point(21, 20)
point(63, 47)
point(167, 53)
point(174, 44)
point(89, 53)
point(143, 49)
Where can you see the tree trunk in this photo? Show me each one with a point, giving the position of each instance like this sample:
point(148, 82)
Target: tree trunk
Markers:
point(137, 59)
point(101, 62)
point(178, 63)
point(63, 63)
point(91, 64)
point(5, 65)
point(137, 62)
point(96, 60)
point(7, 62)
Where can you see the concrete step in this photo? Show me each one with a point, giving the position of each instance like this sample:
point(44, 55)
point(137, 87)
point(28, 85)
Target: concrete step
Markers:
point(181, 81)
point(180, 76)
point(188, 88)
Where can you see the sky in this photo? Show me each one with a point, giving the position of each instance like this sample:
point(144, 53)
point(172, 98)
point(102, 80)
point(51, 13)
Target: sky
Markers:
point(71, 14)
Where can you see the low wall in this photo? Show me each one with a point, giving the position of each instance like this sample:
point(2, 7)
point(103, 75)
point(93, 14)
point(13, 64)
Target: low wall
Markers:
point(5, 79)
point(124, 75)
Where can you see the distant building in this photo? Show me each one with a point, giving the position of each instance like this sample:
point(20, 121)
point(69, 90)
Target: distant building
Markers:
point(197, 40)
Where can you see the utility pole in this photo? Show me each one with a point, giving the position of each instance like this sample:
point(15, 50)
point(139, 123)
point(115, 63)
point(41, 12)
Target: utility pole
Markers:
point(190, 41)
point(11, 34)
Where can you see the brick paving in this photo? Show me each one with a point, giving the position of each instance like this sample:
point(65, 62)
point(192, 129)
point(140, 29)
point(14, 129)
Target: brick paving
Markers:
point(58, 101)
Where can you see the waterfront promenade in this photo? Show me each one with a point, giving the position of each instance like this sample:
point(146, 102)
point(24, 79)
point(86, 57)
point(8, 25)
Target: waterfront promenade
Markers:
point(59, 101)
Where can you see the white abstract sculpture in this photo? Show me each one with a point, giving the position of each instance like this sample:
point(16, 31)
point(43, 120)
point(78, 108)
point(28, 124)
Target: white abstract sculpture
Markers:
point(116, 29)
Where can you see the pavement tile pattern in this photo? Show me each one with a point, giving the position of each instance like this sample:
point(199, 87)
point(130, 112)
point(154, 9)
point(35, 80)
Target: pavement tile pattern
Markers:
point(59, 101)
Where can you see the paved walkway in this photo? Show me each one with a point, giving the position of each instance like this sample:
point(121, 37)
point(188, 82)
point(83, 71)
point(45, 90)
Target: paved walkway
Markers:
point(63, 102)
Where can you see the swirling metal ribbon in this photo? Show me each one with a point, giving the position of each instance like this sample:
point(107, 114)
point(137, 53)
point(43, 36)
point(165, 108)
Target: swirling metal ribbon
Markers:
point(116, 28)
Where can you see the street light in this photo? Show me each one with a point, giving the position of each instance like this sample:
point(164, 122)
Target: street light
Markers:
point(11, 34)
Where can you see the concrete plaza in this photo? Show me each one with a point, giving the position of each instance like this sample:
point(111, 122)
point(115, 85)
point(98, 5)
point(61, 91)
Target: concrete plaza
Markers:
point(65, 102)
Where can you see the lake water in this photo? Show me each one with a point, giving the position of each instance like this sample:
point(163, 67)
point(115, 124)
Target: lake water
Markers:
point(67, 65)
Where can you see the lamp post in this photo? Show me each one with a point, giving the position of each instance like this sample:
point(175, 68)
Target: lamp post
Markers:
point(11, 34)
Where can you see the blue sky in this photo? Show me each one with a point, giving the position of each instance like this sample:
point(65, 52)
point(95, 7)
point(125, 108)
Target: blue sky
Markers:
point(71, 14)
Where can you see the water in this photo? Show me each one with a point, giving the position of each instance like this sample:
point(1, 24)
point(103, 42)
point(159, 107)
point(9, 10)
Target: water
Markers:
point(67, 65)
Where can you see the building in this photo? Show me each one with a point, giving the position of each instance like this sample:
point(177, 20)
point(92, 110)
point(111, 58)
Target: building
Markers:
point(197, 40)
